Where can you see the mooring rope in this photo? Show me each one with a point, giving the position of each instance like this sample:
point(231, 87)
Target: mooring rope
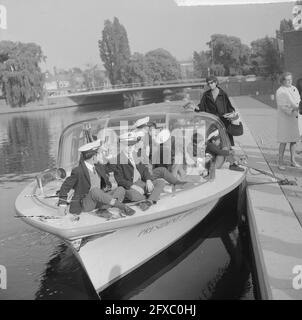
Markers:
point(280, 181)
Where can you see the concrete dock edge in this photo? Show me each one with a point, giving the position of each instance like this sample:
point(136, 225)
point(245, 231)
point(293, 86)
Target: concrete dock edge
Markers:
point(275, 231)
point(262, 276)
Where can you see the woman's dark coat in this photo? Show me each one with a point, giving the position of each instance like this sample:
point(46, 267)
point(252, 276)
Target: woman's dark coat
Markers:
point(219, 107)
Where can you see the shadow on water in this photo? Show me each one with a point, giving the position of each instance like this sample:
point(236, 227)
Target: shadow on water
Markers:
point(207, 263)
point(64, 278)
point(97, 108)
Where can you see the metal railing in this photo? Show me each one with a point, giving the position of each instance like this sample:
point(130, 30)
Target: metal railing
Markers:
point(107, 88)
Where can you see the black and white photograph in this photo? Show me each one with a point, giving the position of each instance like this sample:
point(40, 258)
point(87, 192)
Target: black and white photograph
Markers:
point(150, 151)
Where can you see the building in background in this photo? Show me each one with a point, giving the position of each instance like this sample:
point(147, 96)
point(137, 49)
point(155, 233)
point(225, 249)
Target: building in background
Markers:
point(57, 84)
point(293, 45)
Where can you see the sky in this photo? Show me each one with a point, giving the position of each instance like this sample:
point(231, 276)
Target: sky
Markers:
point(68, 30)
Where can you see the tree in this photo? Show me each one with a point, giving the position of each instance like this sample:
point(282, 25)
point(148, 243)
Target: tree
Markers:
point(21, 78)
point(76, 78)
point(228, 51)
point(201, 64)
point(137, 70)
point(285, 26)
point(272, 59)
point(162, 65)
point(93, 77)
point(266, 58)
point(114, 50)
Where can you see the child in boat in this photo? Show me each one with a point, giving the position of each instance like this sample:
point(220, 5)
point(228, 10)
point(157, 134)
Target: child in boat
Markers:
point(152, 148)
point(214, 148)
point(195, 155)
point(92, 188)
point(134, 176)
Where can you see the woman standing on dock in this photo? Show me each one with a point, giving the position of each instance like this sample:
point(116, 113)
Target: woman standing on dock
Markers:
point(288, 99)
point(217, 102)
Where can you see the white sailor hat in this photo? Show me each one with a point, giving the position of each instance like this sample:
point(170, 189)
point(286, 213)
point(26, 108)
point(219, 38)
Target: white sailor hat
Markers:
point(129, 137)
point(91, 146)
point(213, 134)
point(162, 136)
point(139, 133)
point(141, 122)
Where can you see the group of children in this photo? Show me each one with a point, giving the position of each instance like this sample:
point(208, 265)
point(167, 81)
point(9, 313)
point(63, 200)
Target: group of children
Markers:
point(137, 181)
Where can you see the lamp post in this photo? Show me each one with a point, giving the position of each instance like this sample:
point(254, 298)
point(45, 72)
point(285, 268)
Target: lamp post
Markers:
point(212, 51)
point(212, 54)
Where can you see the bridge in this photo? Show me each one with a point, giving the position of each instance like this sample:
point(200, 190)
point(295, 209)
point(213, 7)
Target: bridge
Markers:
point(126, 94)
point(135, 87)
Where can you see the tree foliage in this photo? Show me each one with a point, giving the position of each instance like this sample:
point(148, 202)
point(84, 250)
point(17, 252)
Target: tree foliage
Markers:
point(21, 78)
point(228, 51)
point(266, 58)
point(114, 50)
point(201, 64)
point(137, 70)
point(93, 77)
point(162, 65)
point(285, 26)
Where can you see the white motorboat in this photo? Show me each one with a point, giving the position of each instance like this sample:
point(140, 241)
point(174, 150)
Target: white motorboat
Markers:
point(110, 249)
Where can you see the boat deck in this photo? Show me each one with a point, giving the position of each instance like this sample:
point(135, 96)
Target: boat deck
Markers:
point(45, 216)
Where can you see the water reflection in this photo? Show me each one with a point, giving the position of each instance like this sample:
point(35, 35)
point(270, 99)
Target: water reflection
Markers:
point(26, 146)
point(29, 142)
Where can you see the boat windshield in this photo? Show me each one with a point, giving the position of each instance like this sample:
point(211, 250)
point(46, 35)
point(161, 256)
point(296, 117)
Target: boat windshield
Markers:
point(190, 133)
point(73, 137)
point(177, 138)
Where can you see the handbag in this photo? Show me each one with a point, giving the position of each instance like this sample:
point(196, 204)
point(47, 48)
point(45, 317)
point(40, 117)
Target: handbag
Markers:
point(235, 129)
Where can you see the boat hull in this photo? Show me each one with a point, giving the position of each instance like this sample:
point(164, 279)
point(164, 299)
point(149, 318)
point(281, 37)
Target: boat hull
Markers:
point(108, 257)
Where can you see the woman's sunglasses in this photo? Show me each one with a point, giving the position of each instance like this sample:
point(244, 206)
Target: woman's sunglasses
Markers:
point(210, 82)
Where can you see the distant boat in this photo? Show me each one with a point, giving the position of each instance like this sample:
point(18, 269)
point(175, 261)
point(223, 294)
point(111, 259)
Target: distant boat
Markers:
point(110, 249)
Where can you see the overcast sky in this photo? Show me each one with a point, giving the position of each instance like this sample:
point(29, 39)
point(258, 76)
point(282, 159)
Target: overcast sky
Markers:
point(68, 30)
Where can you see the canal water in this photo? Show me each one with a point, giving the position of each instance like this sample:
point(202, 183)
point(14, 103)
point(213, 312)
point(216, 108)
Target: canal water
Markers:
point(211, 262)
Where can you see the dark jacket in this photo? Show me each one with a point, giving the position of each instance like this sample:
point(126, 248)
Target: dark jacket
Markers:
point(219, 107)
point(79, 180)
point(124, 173)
